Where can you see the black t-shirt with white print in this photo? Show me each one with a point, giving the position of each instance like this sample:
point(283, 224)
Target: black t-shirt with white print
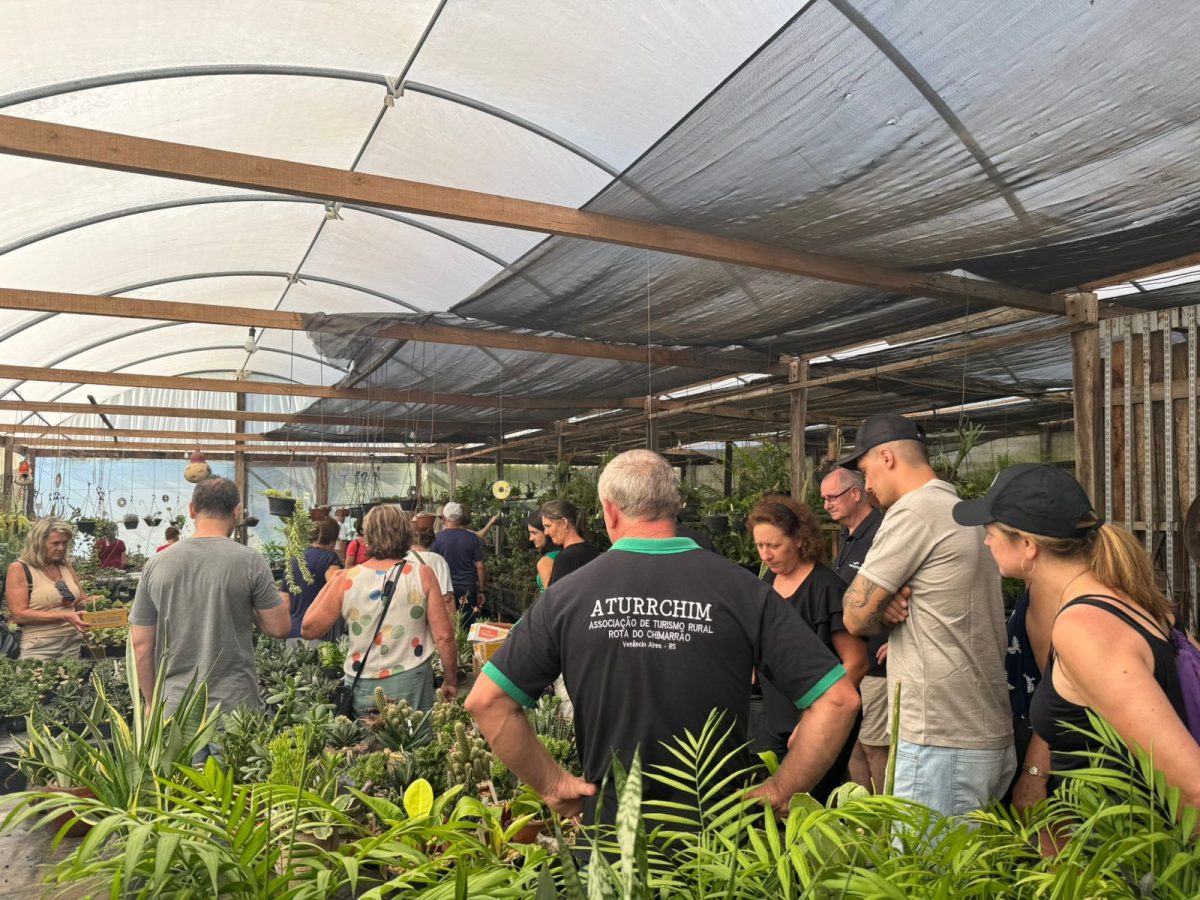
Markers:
point(651, 637)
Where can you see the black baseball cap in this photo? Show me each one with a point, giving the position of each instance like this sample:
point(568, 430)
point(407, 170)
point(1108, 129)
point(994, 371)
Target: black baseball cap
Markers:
point(879, 429)
point(1035, 498)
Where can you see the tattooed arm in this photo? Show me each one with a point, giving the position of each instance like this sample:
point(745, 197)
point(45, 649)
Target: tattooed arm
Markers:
point(868, 608)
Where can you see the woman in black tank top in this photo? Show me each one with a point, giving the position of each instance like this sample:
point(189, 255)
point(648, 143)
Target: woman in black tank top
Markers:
point(1108, 647)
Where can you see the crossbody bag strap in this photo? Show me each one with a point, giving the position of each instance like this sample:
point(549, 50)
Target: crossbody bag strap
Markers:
point(389, 588)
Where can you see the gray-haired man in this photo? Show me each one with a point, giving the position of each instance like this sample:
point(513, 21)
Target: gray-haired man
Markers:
point(650, 638)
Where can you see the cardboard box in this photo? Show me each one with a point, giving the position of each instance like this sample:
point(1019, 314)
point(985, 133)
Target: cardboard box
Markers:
point(482, 632)
point(106, 618)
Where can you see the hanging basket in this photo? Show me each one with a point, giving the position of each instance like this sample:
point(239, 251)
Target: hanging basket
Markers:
point(318, 513)
point(283, 507)
point(356, 512)
point(715, 524)
point(250, 521)
point(153, 520)
point(408, 504)
point(131, 521)
point(86, 526)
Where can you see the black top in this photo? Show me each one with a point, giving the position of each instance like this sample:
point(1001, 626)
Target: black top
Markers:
point(1050, 710)
point(819, 602)
point(650, 638)
point(318, 562)
point(461, 549)
point(571, 558)
point(855, 545)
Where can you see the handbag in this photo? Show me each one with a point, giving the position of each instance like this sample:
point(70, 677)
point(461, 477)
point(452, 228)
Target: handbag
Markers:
point(10, 637)
point(343, 697)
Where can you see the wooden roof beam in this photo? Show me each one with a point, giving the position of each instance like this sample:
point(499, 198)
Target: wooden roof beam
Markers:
point(180, 412)
point(212, 314)
point(331, 450)
point(276, 389)
point(85, 146)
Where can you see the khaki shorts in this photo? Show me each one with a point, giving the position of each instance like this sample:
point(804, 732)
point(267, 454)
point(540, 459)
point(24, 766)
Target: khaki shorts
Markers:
point(874, 731)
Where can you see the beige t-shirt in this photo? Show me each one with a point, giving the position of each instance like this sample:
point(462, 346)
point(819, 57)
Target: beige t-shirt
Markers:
point(949, 654)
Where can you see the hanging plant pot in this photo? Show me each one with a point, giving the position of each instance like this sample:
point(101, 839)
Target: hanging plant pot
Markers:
point(342, 511)
point(716, 524)
point(131, 520)
point(86, 526)
point(153, 520)
point(319, 513)
point(408, 504)
point(283, 507)
point(250, 521)
point(356, 512)
point(424, 520)
point(688, 514)
point(738, 526)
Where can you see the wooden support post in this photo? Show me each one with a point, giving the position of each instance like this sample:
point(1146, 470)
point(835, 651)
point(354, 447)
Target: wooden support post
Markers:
point(30, 458)
point(652, 424)
point(559, 439)
point(728, 469)
point(798, 374)
point(241, 474)
point(321, 481)
point(452, 472)
point(1086, 375)
point(8, 472)
point(418, 469)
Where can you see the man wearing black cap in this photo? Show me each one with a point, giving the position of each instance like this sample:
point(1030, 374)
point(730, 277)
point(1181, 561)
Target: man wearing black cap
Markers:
point(955, 751)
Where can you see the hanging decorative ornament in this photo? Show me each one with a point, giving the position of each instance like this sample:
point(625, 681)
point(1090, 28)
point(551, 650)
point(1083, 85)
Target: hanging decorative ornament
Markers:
point(197, 469)
point(166, 498)
point(501, 490)
point(120, 502)
point(24, 473)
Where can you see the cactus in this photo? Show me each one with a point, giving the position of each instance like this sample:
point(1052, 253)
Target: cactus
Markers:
point(468, 762)
point(445, 715)
point(397, 726)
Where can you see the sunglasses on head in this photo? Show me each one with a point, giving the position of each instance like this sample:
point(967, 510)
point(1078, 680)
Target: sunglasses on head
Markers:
point(68, 598)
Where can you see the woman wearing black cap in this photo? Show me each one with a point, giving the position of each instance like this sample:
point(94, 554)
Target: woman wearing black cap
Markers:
point(1103, 642)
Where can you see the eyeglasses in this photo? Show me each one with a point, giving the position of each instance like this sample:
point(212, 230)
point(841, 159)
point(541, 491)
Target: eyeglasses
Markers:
point(827, 500)
point(68, 598)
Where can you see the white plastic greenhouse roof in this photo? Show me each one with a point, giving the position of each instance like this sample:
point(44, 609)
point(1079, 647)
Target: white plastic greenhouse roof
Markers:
point(1043, 146)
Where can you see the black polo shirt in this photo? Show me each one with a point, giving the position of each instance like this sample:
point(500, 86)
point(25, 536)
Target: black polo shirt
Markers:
point(854, 550)
point(651, 637)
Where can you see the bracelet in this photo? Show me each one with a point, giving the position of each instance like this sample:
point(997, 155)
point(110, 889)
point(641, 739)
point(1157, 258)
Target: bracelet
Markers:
point(1036, 772)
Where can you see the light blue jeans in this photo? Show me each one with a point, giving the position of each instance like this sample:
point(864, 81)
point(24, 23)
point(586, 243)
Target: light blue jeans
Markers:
point(950, 780)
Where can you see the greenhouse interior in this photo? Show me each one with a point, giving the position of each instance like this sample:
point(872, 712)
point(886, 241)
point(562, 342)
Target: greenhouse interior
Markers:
point(480, 448)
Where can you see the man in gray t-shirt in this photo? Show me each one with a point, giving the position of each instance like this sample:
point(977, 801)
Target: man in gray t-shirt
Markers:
point(955, 751)
point(198, 606)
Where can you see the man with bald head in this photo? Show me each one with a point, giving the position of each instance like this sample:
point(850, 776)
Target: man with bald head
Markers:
point(849, 505)
point(939, 588)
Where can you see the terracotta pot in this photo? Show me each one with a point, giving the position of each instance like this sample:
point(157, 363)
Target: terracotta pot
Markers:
point(529, 834)
point(318, 514)
point(80, 828)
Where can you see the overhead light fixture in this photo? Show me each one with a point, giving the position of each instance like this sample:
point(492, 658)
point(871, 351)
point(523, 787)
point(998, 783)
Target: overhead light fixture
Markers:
point(251, 345)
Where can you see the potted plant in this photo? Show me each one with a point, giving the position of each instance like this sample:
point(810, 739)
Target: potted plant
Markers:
point(281, 503)
point(51, 764)
point(717, 523)
point(250, 521)
point(86, 526)
point(296, 538)
point(131, 520)
point(318, 513)
point(153, 520)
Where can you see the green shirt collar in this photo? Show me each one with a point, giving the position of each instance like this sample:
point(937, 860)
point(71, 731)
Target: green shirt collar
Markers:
point(656, 546)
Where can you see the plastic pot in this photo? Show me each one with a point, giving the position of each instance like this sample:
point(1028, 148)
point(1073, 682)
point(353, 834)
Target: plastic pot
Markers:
point(688, 513)
point(251, 521)
point(152, 521)
point(86, 526)
point(738, 526)
point(318, 514)
point(283, 507)
point(131, 521)
point(716, 523)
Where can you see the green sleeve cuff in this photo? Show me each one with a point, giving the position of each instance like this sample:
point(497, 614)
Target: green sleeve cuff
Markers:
point(814, 693)
point(508, 687)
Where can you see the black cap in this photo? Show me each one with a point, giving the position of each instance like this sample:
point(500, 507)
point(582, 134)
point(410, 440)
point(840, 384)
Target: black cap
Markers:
point(879, 429)
point(1038, 499)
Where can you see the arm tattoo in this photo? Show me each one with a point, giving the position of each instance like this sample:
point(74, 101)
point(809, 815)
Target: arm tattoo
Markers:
point(864, 594)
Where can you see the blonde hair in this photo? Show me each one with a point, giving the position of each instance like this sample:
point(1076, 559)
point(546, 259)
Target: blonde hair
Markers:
point(39, 533)
point(1113, 556)
point(388, 532)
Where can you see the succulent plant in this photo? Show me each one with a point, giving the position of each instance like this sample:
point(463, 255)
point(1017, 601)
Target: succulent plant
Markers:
point(343, 733)
point(468, 763)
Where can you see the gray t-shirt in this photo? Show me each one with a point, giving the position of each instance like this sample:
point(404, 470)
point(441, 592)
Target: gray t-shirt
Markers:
point(202, 596)
point(949, 654)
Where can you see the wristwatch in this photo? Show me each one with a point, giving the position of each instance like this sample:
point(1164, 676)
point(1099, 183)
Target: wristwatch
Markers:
point(1036, 772)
